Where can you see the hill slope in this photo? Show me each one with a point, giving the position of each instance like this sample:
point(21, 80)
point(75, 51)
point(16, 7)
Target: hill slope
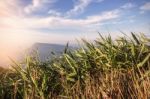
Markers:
point(45, 49)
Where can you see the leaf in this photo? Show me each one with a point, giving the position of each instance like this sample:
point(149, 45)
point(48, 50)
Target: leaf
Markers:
point(135, 38)
point(66, 48)
point(141, 51)
point(133, 50)
point(144, 61)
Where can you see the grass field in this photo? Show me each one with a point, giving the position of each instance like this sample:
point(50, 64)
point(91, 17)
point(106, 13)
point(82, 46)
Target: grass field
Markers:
point(103, 69)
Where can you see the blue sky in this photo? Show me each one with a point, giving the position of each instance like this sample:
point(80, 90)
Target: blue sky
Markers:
point(59, 21)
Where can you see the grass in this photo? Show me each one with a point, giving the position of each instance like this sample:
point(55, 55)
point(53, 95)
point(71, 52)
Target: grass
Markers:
point(103, 69)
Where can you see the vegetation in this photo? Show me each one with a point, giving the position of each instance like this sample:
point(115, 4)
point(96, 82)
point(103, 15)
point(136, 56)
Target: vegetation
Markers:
point(103, 69)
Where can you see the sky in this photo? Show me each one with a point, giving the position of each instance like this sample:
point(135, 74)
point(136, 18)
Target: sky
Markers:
point(24, 22)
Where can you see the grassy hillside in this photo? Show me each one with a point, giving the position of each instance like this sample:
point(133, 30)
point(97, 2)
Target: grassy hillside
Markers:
point(103, 69)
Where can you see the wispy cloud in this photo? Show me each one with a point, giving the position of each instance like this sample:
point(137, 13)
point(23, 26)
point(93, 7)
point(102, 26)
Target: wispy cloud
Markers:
point(80, 6)
point(55, 22)
point(54, 13)
point(128, 6)
point(37, 4)
point(146, 7)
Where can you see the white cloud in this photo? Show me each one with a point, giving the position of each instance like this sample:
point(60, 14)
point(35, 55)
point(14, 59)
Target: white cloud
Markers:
point(128, 6)
point(37, 4)
point(98, 1)
point(146, 6)
point(20, 29)
point(54, 13)
point(55, 21)
point(80, 6)
point(60, 22)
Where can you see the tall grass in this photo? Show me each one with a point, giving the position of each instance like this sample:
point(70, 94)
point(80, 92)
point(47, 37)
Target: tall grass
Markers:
point(103, 69)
